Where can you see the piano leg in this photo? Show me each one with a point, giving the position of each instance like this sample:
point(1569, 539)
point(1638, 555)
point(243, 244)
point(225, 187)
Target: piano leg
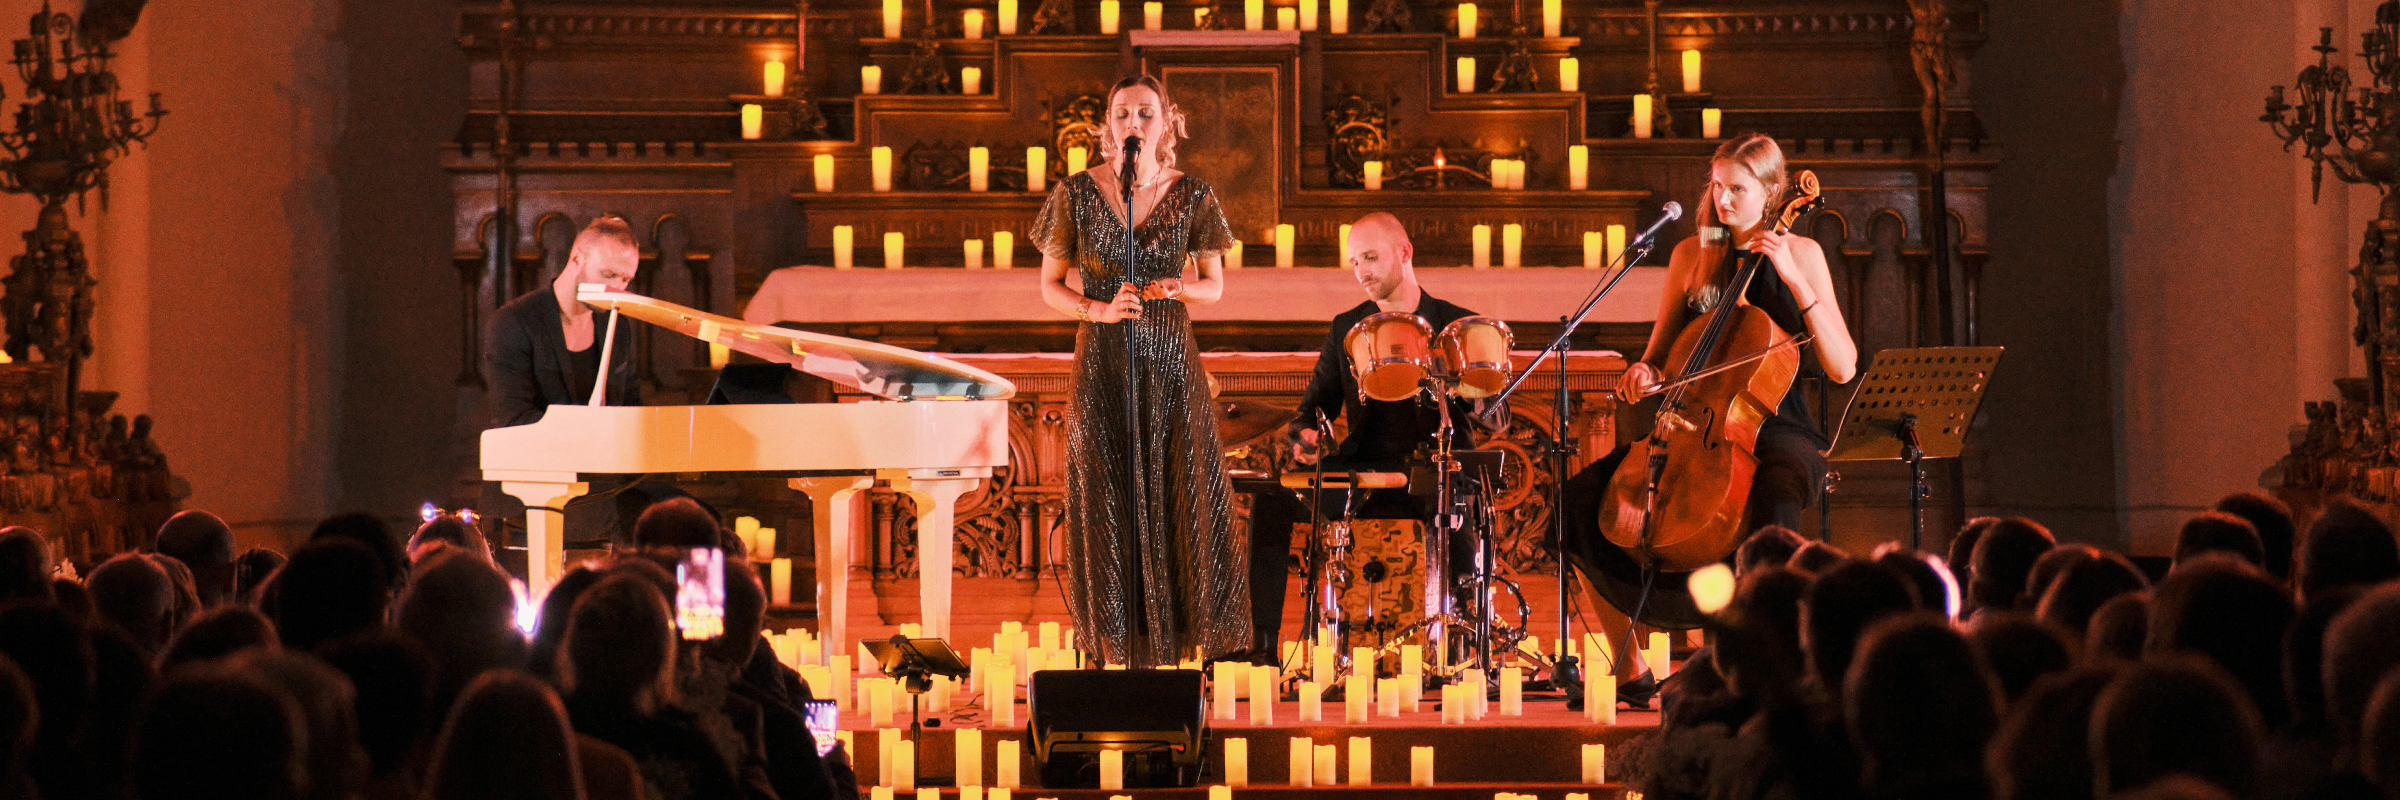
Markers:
point(835, 501)
point(545, 527)
point(937, 504)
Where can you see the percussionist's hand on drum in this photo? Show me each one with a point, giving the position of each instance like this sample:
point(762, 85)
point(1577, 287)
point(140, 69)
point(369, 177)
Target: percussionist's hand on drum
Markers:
point(1306, 447)
point(1126, 305)
point(1639, 380)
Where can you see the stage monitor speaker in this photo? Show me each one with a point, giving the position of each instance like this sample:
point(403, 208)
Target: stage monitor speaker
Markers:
point(1157, 717)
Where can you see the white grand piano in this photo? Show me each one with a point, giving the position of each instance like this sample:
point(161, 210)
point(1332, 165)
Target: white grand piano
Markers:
point(937, 427)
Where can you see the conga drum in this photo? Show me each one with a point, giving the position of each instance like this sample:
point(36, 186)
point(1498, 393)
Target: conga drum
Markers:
point(1390, 354)
point(1475, 349)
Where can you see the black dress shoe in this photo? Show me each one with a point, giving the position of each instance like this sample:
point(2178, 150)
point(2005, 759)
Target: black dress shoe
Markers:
point(1638, 693)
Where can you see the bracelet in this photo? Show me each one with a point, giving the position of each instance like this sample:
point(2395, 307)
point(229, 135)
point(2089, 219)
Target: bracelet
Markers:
point(1083, 310)
point(1811, 307)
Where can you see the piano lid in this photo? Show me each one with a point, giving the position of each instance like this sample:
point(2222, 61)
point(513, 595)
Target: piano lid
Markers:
point(884, 371)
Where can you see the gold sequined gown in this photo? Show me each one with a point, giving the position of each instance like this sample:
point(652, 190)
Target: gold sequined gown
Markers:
point(1174, 584)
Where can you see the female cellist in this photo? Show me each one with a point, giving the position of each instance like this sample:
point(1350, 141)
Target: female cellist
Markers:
point(1747, 183)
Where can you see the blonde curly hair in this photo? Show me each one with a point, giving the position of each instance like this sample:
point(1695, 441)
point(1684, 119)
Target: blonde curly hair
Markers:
point(1112, 147)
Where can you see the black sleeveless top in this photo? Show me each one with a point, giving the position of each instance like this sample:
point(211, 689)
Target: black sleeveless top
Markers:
point(1769, 293)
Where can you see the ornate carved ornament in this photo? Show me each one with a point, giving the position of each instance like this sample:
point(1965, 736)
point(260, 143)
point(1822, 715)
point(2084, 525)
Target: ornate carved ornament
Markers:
point(1358, 130)
point(1076, 123)
point(1633, 24)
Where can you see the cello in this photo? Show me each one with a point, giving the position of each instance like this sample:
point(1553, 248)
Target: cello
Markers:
point(1679, 499)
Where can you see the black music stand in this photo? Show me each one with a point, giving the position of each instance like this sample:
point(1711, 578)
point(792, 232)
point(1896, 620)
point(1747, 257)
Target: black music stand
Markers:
point(1915, 404)
point(915, 662)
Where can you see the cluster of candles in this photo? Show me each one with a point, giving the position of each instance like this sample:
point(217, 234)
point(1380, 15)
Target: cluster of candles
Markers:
point(979, 168)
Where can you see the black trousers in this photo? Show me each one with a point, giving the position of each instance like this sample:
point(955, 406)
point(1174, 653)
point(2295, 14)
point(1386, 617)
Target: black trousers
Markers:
point(1272, 515)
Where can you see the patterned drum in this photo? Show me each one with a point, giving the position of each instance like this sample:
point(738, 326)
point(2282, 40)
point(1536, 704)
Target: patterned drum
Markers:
point(1390, 353)
point(1476, 351)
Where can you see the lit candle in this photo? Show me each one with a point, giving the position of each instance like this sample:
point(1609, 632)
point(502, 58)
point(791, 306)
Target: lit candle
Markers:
point(904, 766)
point(1594, 244)
point(1420, 766)
point(1262, 695)
point(1362, 761)
point(1200, 17)
point(1658, 655)
point(1616, 247)
point(1154, 16)
point(744, 528)
point(1325, 766)
point(1387, 697)
point(1004, 249)
point(1304, 758)
point(1712, 123)
point(1220, 684)
point(1600, 698)
point(1286, 237)
point(1512, 692)
point(1480, 699)
point(970, 80)
point(1233, 255)
point(1641, 116)
point(1595, 756)
point(1466, 20)
point(1483, 246)
point(841, 246)
point(1321, 662)
point(1003, 705)
point(879, 704)
point(979, 168)
point(1357, 696)
point(891, 19)
point(1112, 770)
point(1037, 178)
point(1109, 10)
point(1254, 15)
point(1287, 19)
point(1466, 74)
point(1339, 10)
point(1237, 759)
point(1516, 174)
point(1453, 711)
point(839, 667)
point(1570, 74)
point(1551, 18)
point(1220, 792)
point(1312, 701)
point(779, 573)
point(754, 120)
point(870, 79)
point(774, 79)
point(969, 757)
point(974, 254)
point(1512, 245)
point(1345, 243)
point(895, 249)
point(1579, 167)
point(974, 23)
point(1308, 15)
point(824, 163)
point(1006, 761)
point(880, 167)
point(1691, 72)
point(879, 793)
point(1077, 158)
point(1008, 17)
point(1374, 175)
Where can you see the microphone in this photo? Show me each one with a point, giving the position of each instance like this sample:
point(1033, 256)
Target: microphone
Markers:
point(1671, 212)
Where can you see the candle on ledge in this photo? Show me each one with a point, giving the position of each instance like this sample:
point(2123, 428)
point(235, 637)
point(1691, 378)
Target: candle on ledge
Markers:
point(1594, 244)
point(1658, 654)
point(1200, 18)
point(1320, 665)
point(968, 758)
point(880, 168)
point(1466, 74)
point(1552, 18)
point(870, 79)
point(891, 19)
point(779, 574)
point(1343, 256)
point(973, 23)
point(1616, 247)
point(1006, 761)
point(1466, 20)
point(1579, 167)
point(1570, 74)
point(1420, 766)
point(1641, 116)
point(1358, 694)
point(1220, 690)
point(1001, 702)
point(824, 164)
point(1287, 19)
point(1691, 72)
point(1304, 759)
point(1286, 237)
point(718, 356)
point(1374, 175)
point(1220, 792)
point(1512, 245)
point(1262, 695)
point(1595, 761)
point(774, 79)
point(1109, 12)
point(1308, 15)
point(1483, 246)
point(970, 80)
point(979, 168)
point(1312, 701)
point(754, 120)
point(1008, 17)
point(1237, 761)
point(1233, 255)
point(974, 254)
point(1339, 11)
point(842, 245)
point(1325, 765)
point(1112, 770)
point(1077, 159)
point(1512, 692)
point(1387, 697)
point(895, 249)
point(1516, 174)
point(1254, 15)
point(1154, 16)
point(1037, 172)
point(1362, 761)
point(1712, 123)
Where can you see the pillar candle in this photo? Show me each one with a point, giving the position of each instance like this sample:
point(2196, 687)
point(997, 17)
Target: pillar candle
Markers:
point(879, 703)
point(1570, 74)
point(1112, 770)
point(904, 766)
point(1008, 17)
point(780, 570)
point(1037, 178)
point(1220, 792)
point(1616, 248)
point(1600, 697)
point(1483, 246)
point(1002, 705)
point(1321, 664)
point(1658, 654)
point(1712, 123)
point(1109, 11)
point(1286, 237)
point(974, 23)
point(1466, 74)
point(1512, 692)
point(998, 793)
point(879, 793)
point(1312, 701)
point(1339, 11)
point(1480, 686)
point(1006, 761)
point(1343, 235)
point(754, 120)
point(1308, 15)
point(1387, 697)
point(1287, 19)
point(839, 666)
point(1362, 761)
point(774, 79)
point(970, 80)
point(1691, 72)
point(895, 249)
point(1327, 761)
point(1579, 167)
point(1004, 249)
point(974, 254)
point(1077, 157)
point(870, 79)
point(1304, 756)
point(1420, 766)
point(887, 742)
point(1450, 704)
point(1233, 255)
point(841, 252)
point(979, 168)
point(1358, 695)
point(1362, 659)
point(880, 168)
point(1262, 695)
point(745, 528)
point(969, 757)
point(1516, 174)
point(1200, 18)
point(930, 793)
point(891, 19)
point(1551, 18)
point(1254, 15)
point(1220, 686)
point(1154, 16)
point(1512, 245)
point(824, 170)
point(1237, 761)
point(1594, 244)
point(1374, 175)
point(1641, 116)
point(1466, 20)
point(1595, 756)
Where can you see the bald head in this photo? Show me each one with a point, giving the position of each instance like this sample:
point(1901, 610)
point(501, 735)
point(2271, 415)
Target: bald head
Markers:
point(606, 252)
point(205, 546)
point(1381, 258)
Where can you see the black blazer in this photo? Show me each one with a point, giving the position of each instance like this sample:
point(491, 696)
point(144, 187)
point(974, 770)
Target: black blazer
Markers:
point(529, 368)
point(1383, 435)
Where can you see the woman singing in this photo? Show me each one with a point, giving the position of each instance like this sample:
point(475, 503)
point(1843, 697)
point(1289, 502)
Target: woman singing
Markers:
point(1162, 579)
point(1746, 184)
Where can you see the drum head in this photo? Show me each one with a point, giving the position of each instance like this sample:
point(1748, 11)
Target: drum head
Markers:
point(1476, 351)
point(1390, 354)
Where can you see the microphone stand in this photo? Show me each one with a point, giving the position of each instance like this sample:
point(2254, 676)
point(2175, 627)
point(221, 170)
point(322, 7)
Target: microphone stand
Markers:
point(1133, 395)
